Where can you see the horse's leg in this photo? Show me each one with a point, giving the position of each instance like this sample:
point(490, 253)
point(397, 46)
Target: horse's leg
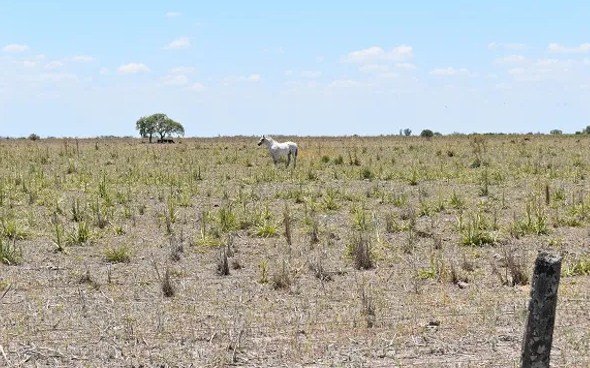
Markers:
point(288, 159)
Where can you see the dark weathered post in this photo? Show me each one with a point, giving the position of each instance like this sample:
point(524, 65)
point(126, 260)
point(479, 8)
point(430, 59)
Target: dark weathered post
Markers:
point(536, 347)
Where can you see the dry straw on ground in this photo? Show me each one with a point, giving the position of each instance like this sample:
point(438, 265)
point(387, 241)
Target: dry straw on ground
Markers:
point(120, 253)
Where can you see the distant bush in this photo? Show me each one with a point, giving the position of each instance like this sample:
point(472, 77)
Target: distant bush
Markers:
point(34, 137)
point(556, 132)
point(427, 133)
point(407, 132)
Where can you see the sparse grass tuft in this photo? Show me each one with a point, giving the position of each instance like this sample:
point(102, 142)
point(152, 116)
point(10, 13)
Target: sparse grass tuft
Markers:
point(368, 307)
point(474, 232)
point(80, 235)
point(11, 229)
point(10, 254)
point(580, 267)
point(266, 230)
point(120, 254)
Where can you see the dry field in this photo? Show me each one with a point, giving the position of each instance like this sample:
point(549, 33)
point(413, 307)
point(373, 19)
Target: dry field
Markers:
point(373, 252)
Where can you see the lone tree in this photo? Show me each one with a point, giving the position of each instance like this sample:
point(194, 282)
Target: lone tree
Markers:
point(427, 133)
point(158, 124)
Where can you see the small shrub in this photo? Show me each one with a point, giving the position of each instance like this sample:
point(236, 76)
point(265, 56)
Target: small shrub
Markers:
point(33, 137)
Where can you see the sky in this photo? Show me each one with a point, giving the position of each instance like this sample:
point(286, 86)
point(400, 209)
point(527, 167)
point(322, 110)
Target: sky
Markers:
point(91, 68)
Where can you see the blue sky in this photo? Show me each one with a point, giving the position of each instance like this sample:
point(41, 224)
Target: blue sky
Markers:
point(81, 68)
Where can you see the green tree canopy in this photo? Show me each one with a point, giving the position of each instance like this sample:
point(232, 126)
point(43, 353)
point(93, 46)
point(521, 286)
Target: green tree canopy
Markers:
point(427, 133)
point(158, 124)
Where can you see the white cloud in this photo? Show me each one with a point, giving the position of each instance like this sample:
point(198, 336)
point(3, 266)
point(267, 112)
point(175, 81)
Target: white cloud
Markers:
point(133, 68)
point(252, 78)
point(374, 68)
point(311, 74)
point(175, 80)
point(13, 47)
point(197, 87)
point(179, 43)
point(30, 63)
point(183, 70)
point(82, 58)
point(54, 65)
point(345, 83)
point(510, 59)
point(506, 46)
point(548, 69)
point(377, 54)
point(450, 72)
point(560, 49)
point(406, 66)
point(248, 78)
point(104, 71)
point(58, 77)
point(173, 14)
point(306, 74)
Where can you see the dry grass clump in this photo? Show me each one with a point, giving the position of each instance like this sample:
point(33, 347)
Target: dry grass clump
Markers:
point(168, 288)
point(282, 279)
point(360, 250)
point(515, 271)
point(222, 263)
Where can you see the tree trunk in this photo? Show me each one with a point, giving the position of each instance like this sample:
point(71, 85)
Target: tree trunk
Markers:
point(150, 138)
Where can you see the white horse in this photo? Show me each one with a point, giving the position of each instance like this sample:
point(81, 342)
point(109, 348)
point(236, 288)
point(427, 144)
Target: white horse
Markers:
point(278, 150)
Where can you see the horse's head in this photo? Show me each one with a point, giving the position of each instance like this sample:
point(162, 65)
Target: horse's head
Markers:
point(262, 140)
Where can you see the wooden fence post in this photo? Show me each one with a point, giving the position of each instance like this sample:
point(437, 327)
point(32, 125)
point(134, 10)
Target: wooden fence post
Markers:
point(536, 347)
